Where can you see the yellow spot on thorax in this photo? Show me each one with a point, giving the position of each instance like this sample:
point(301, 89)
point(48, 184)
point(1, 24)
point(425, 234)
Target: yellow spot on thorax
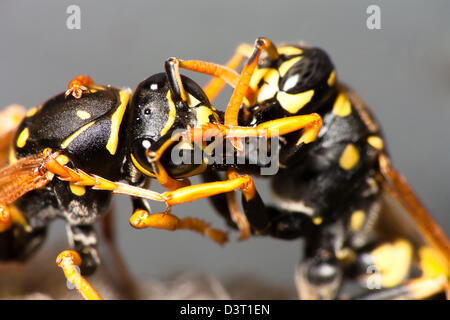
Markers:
point(83, 114)
point(393, 261)
point(77, 190)
point(357, 219)
point(285, 66)
point(116, 120)
point(342, 106)
point(76, 134)
point(31, 112)
point(289, 50)
point(294, 102)
point(317, 220)
point(22, 138)
point(332, 78)
point(349, 157)
point(376, 142)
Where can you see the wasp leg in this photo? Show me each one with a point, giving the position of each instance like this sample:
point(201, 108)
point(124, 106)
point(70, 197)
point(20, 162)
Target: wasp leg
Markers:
point(215, 86)
point(319, 275)
point(166, 180)
point(219, 201)
point(224, 74)
point(142, 219)
point(232, 111)
point(84, 240)
point(78, 85)
point(69, 261)
point(310, 124)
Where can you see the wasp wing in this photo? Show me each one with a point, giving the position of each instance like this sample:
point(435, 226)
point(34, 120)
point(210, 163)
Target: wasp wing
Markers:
point(21, 177)
point(414, 221)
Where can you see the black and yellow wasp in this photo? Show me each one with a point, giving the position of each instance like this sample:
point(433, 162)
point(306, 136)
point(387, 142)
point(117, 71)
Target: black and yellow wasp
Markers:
point(67, 156)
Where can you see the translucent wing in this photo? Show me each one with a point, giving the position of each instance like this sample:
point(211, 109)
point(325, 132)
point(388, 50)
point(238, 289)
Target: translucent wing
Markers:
point(21, 177)
point(414, 221)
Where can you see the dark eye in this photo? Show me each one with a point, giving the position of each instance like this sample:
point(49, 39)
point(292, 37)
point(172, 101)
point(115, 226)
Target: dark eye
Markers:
point(147, 111)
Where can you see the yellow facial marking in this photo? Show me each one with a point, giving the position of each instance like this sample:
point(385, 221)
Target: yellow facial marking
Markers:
point(202, 114)
point(270, 85)
point(192, 101)
point(289, 51)
point(22, 138)
point(285, 66)
point(62, 159)
point(432, 263)
point(77, 190)
point(256, 77)
point(83, 114)
point(357, 219)
point(332, 78)
point(172, 113)
point(393, 261)
point(342, 107)
point(12, 156)
point(376, 142)
point(349, 157)
point(116, 120)
point(294, 102)
point(31, 112)
point(76, 134)
point(141, 168)
point(317, 221)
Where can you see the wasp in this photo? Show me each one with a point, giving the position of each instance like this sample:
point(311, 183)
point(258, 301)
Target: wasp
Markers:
point(338, 191)
point(332, 158)
point(66, 157)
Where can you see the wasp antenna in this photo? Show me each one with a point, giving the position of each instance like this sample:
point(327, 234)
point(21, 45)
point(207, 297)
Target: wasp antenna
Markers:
point(172, 67)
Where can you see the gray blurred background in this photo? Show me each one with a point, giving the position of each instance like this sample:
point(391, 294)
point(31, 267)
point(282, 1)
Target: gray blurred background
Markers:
point(402, 71)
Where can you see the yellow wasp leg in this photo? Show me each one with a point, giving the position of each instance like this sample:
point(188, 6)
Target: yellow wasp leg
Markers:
point(142, 219)
point(232, 111)
point(69, 261)
point(215, 86)
point(236, 214)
